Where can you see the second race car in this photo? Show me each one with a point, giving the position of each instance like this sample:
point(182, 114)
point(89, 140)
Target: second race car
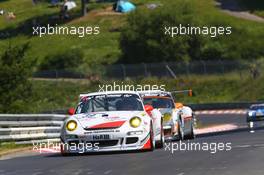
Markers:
point(255, 114)
point(178, 120)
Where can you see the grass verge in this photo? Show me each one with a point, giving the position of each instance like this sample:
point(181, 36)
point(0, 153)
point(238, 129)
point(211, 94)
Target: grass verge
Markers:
point(8, 148)
point(63, 94)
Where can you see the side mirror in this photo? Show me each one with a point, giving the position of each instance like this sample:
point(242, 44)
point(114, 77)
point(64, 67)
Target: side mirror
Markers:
point(148, 108)
point(178, 105)
point(71, 111)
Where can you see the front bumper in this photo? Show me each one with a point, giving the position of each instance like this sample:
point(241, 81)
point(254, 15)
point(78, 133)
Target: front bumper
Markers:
point(116, 143)
point(170, 132)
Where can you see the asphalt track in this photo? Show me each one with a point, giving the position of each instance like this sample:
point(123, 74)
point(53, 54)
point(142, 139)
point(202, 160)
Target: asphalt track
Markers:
point(246, 157)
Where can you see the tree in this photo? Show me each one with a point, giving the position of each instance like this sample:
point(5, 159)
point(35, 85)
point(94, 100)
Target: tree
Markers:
point(15, 72)
point(143, 38)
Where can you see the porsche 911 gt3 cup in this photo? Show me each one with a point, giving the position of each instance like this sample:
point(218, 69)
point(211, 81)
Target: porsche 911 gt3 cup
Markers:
point(178, 120)
point(112, 121)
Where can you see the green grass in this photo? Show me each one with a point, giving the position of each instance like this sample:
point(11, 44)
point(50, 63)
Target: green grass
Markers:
point(8, 147)
point(54, 95)
point(104, 48)
point(63, 94)
point(100, 49)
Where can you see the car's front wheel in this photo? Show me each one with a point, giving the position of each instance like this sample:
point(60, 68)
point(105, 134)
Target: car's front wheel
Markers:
point(160, 143)
point(63, 153)
point(152, 140)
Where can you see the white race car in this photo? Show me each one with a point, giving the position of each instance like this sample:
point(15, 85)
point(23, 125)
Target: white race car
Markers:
point(112, 121)
point(178, 120)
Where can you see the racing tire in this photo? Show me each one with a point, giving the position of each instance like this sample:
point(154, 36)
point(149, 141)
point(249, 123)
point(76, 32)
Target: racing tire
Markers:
point(64, 154)
point(181, 130)
point(191, 135)
point(160, 143)
point(152, 140)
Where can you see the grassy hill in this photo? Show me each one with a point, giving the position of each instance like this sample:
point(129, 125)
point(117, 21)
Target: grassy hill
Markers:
point(247, 39)
point(103, 48)
point(54, 95)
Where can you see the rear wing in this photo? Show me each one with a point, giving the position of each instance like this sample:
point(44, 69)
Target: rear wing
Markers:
point(164, 93)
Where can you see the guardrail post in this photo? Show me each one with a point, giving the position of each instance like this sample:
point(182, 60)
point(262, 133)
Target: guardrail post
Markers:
point(204, 67)
point(145, 69)
point(124, 71)
point(170, 70)
point(84, 7)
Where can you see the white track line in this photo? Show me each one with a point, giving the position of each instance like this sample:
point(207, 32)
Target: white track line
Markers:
point(219, 112)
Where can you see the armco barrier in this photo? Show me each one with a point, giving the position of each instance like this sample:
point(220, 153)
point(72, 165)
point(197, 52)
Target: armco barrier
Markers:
point(195, 107)
point(28, 127)
point(215, 106)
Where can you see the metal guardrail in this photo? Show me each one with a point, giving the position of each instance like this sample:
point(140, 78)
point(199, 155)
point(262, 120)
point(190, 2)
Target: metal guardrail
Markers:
point(29, 127)
point(252, 68)
point(215, 106)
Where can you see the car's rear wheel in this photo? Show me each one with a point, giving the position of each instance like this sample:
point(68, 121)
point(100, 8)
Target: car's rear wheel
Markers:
point(181, 129)
point(191, 135)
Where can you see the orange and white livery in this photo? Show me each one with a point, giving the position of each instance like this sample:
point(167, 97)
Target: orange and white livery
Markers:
point(178, 120)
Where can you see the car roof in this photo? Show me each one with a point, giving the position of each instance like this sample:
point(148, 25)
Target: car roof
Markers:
point(108, 92)
point(257, 105)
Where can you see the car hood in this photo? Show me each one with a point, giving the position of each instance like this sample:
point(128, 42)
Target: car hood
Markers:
point(165, 110)
point(106, 120)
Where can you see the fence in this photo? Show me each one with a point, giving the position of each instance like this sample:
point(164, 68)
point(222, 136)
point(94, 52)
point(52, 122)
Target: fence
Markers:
point(26, 128)
point(170, 69)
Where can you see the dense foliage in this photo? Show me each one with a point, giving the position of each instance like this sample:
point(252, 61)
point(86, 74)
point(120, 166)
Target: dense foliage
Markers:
point(143, 39)
point(68, 60)
point(15, 71)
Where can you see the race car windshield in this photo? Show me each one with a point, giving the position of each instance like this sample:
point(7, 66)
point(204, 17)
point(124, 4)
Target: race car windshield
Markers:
point(115, 102)
point(159, 102)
